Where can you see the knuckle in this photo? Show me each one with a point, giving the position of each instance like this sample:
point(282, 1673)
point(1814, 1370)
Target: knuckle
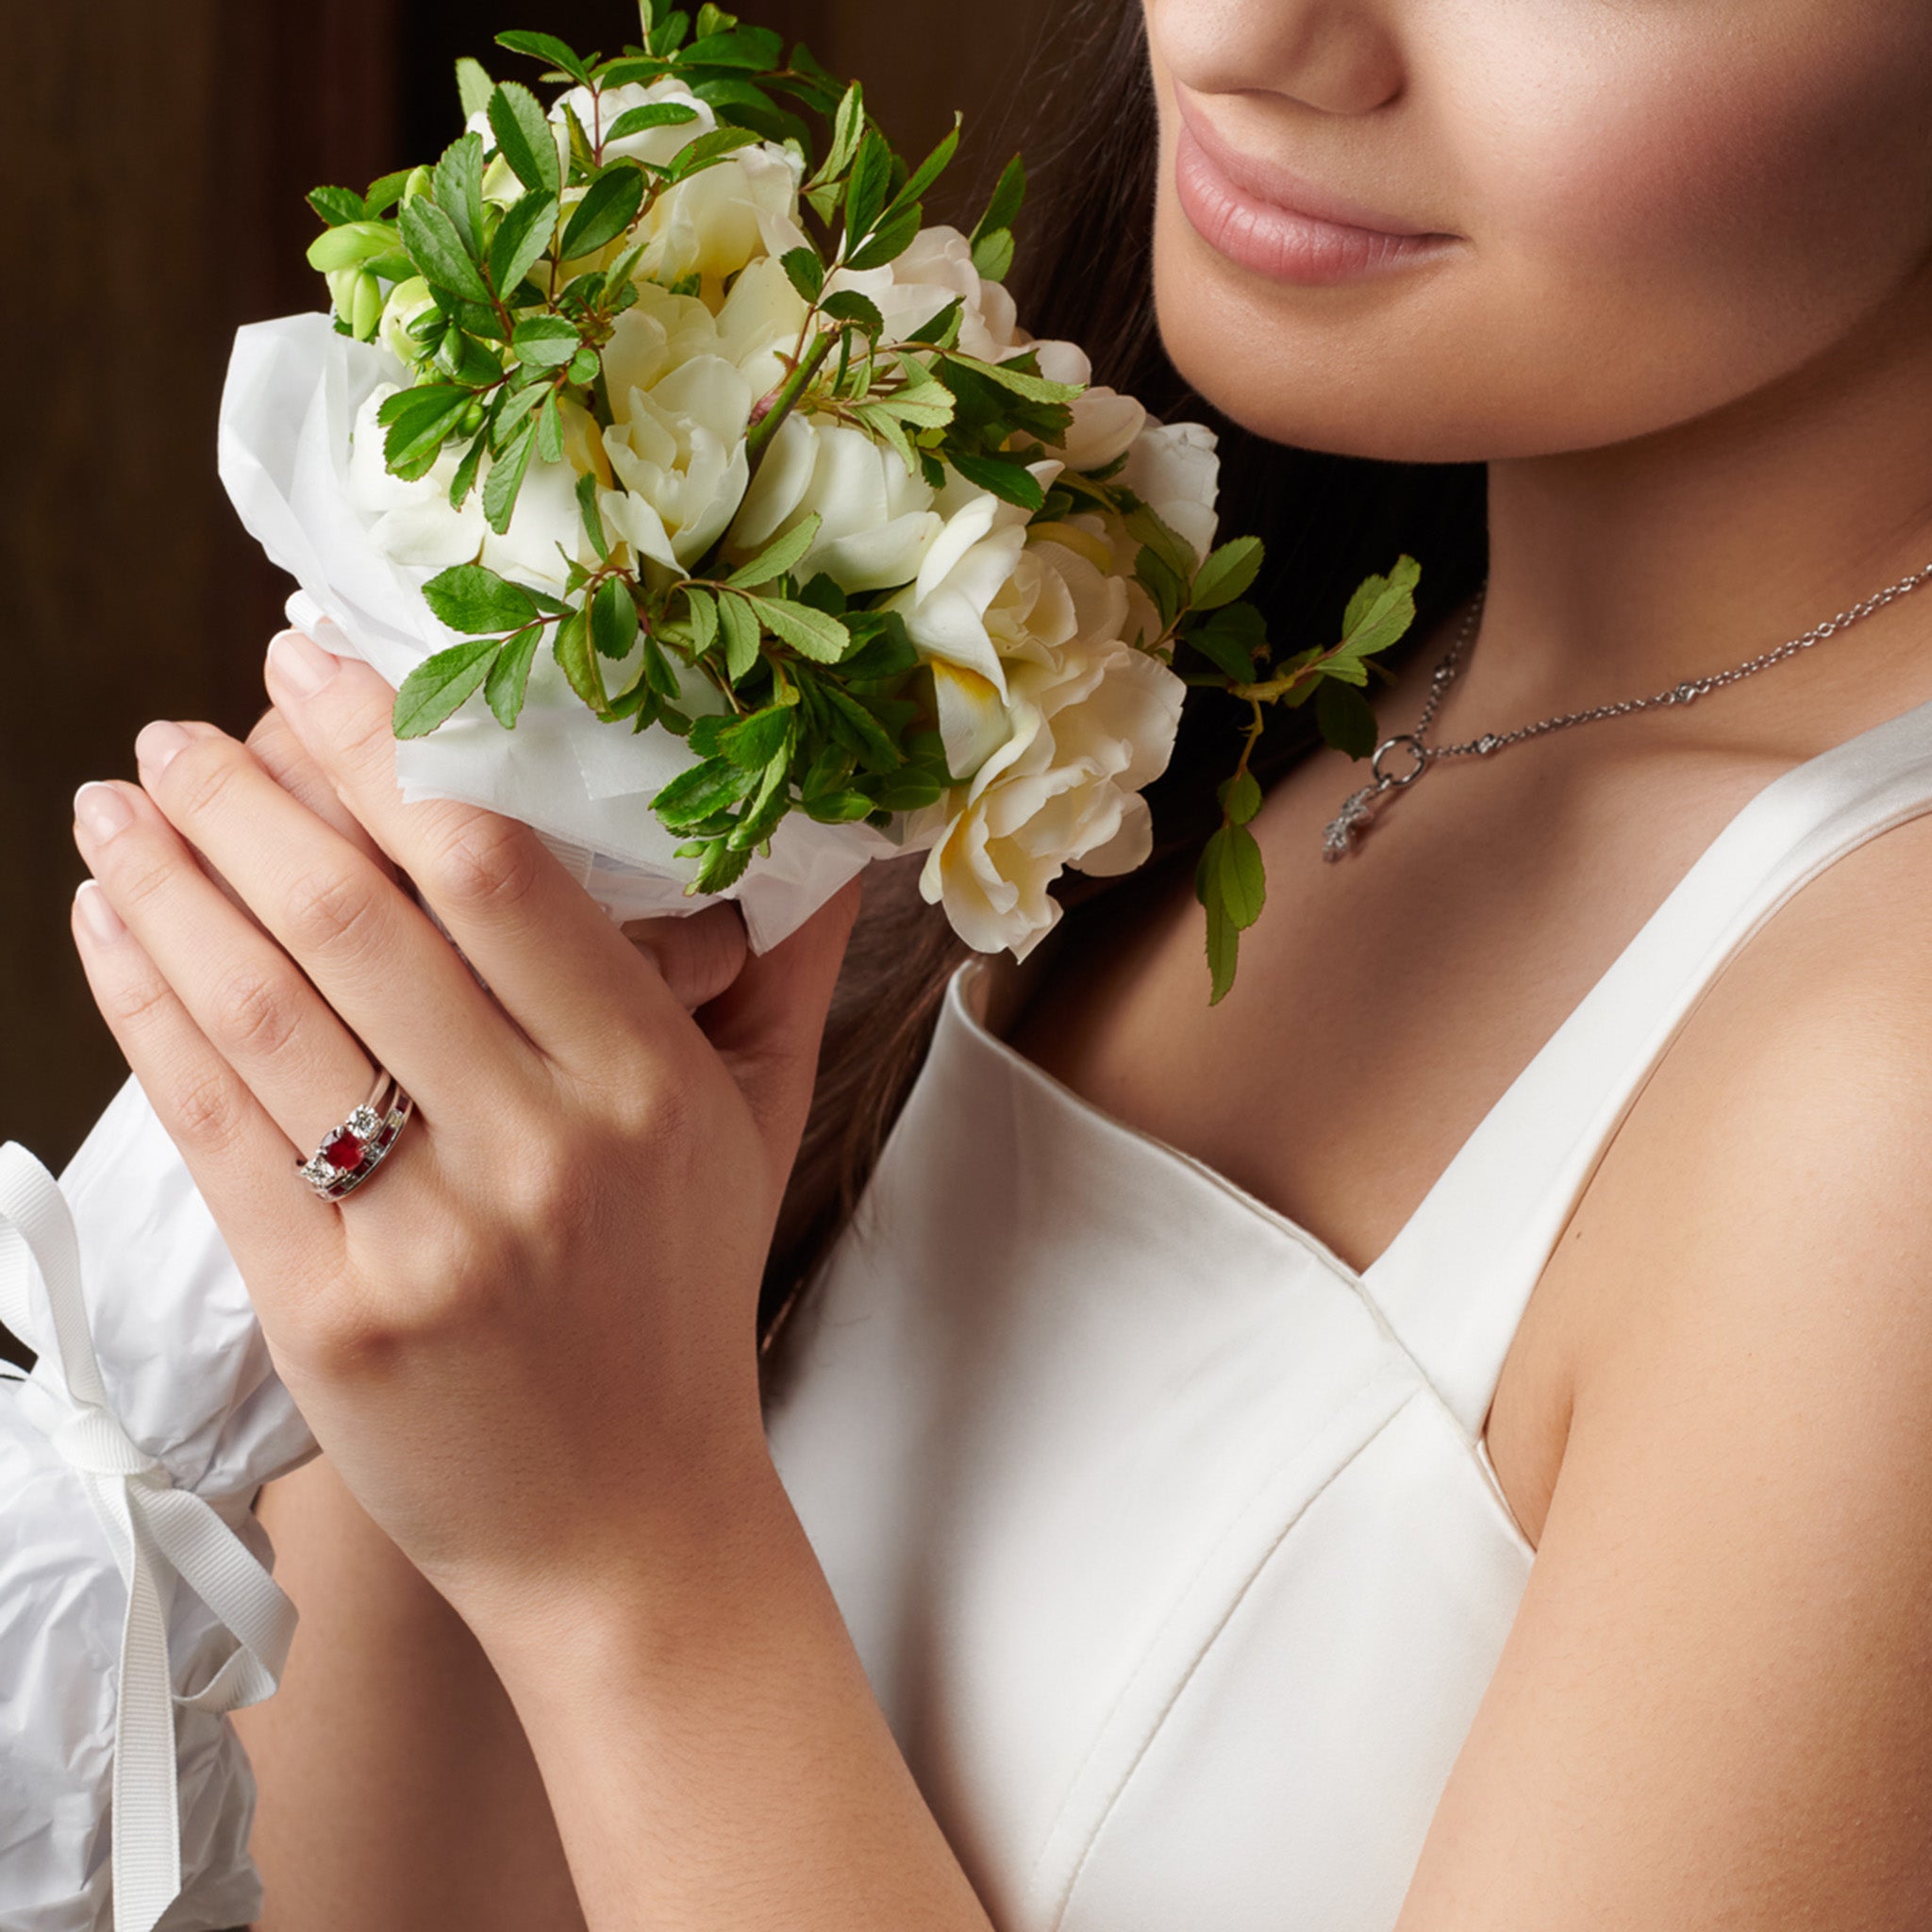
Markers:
point(488, 864)
point(332, 909)
point(133, 1004)
point(198, 779)
point(253, 1013)
point(204, 1110)
point(362, 741)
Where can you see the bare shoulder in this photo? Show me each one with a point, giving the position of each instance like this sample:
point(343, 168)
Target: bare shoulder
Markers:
point(1715, 1705)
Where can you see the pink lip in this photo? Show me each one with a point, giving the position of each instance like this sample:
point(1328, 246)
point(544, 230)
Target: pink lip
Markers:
point(1267, 219)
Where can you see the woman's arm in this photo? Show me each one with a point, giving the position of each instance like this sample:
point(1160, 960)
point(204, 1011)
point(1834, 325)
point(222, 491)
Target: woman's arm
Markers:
point(1715, 1707)
point(396, 1789)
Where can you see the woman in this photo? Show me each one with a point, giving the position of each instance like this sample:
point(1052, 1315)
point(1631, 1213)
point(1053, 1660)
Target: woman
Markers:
point(1164, 1446)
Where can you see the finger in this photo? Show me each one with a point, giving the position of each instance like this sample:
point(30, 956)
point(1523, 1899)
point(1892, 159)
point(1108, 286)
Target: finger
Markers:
point(768, 1024)
point(372, 953)
point(699, 954)
point(284, 757)
point(506, 900)
point(240, 1158)
point(242, 993)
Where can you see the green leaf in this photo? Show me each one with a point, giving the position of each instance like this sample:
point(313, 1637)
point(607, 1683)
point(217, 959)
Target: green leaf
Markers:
point(922, 400)
point(929, 170)
point(703, 619)
point(465, 478)
point(804, 270)
point(609, 205)
point(865, 193)
point(385, 192)
point(338, 204)
point(438, 251)
point(1229, 640)
point(1345, 718)
point(1167, 587)
point(417, 420)
point(838, 808)
point(1147, 527)
point(756, 740)
point(592, 516)
point(545, 341)
point(578, 661)
point(1012, 482)
point(1237, 868)
point(745, 103)
point(1239, 797)
point(740, 625)
point(503, 689)
point(641, 120)
point(694, 156)
point(469, 597)
point(439, 684)
point(550, 430)
point(521, 240)
point(548, 47)
point(859, 730)
point(457, 187)
point(523, 138)
point(993, 255)
point(809, 632)
point(942, 330)
point(778, 556)
point(613, 618)
point(1023, 382)
point(473, 86)
point(750, 47)
point(708, 786)
point(848, 129)
point(1380, 612)
point(506, 478)
point(1224, 951)
point(1227, 574)
point(889, 240)
point(1002, 210)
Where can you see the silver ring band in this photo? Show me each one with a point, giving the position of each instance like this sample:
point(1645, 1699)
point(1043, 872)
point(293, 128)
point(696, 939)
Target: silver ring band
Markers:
point(352, 1150)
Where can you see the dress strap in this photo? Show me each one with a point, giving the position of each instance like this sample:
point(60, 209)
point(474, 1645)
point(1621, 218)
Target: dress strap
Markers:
point(1455, 1280)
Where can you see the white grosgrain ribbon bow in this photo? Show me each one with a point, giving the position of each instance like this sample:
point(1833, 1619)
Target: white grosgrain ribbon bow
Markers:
point(157, 1532)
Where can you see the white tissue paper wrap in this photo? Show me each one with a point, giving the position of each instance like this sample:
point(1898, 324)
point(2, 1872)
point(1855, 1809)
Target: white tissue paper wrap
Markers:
point(167, 1423)
point(292, 390)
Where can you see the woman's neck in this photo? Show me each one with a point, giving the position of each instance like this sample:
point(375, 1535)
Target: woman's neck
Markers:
point(1622, 571)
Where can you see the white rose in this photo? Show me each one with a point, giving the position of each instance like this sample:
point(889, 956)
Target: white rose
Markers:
point(761, 319)
point(656, 145)
point(936, 268)
point(1173, 468)
point(413, 523)
point(1088, 732)
point(1106, 423)
point(677, 448)
point(879, 521)
point(723, 217)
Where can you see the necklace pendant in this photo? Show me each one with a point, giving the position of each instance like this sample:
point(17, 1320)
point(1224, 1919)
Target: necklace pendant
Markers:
point(1345, 829)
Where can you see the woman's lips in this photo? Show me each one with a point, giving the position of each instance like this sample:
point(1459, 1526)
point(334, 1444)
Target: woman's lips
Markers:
point(1283, 228)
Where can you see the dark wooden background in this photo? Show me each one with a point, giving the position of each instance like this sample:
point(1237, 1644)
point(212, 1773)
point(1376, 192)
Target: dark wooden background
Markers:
point(158, 158)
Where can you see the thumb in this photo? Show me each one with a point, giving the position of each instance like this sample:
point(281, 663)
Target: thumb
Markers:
point(767, 1025)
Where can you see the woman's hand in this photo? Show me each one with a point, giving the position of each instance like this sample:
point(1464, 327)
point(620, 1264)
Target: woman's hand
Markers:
point(527, 1343)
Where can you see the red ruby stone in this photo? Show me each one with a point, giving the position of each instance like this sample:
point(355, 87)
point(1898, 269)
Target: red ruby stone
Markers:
point(345, 1153)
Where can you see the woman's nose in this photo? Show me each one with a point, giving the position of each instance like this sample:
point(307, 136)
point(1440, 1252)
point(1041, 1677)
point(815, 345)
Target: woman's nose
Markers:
point(1337, 57)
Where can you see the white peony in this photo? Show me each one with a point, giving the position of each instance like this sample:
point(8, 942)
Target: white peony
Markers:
point(1089, 729)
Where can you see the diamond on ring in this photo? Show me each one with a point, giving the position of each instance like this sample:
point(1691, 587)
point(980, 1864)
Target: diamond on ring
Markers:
point(351, 1152)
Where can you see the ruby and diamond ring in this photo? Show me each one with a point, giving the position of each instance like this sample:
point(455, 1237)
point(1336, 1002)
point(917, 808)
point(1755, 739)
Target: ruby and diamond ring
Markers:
point(352, 1151)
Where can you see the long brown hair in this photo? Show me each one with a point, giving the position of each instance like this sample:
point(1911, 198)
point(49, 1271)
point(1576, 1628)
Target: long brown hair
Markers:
point(1329, 521)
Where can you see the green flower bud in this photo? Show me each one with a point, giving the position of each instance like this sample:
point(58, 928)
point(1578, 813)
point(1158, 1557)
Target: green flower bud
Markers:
point(473, 418)
point(351, 244)
point(417, 184)
point(365, 307)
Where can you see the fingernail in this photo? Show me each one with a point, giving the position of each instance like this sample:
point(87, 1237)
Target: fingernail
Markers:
point(301, 662)
point(98, 912)
point(101, 810)
point(157, 744)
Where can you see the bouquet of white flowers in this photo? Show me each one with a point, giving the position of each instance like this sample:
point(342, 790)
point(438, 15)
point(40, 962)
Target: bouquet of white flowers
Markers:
point(694, 458)
point(712, 513)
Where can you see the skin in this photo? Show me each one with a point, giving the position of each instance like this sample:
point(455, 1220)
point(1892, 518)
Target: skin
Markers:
point(1688, 323)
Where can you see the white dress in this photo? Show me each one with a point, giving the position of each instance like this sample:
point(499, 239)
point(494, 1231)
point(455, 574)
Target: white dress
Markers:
point(1169, 1542)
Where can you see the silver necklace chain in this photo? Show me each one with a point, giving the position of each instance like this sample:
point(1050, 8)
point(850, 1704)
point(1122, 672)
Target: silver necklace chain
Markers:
point(1358, 811)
